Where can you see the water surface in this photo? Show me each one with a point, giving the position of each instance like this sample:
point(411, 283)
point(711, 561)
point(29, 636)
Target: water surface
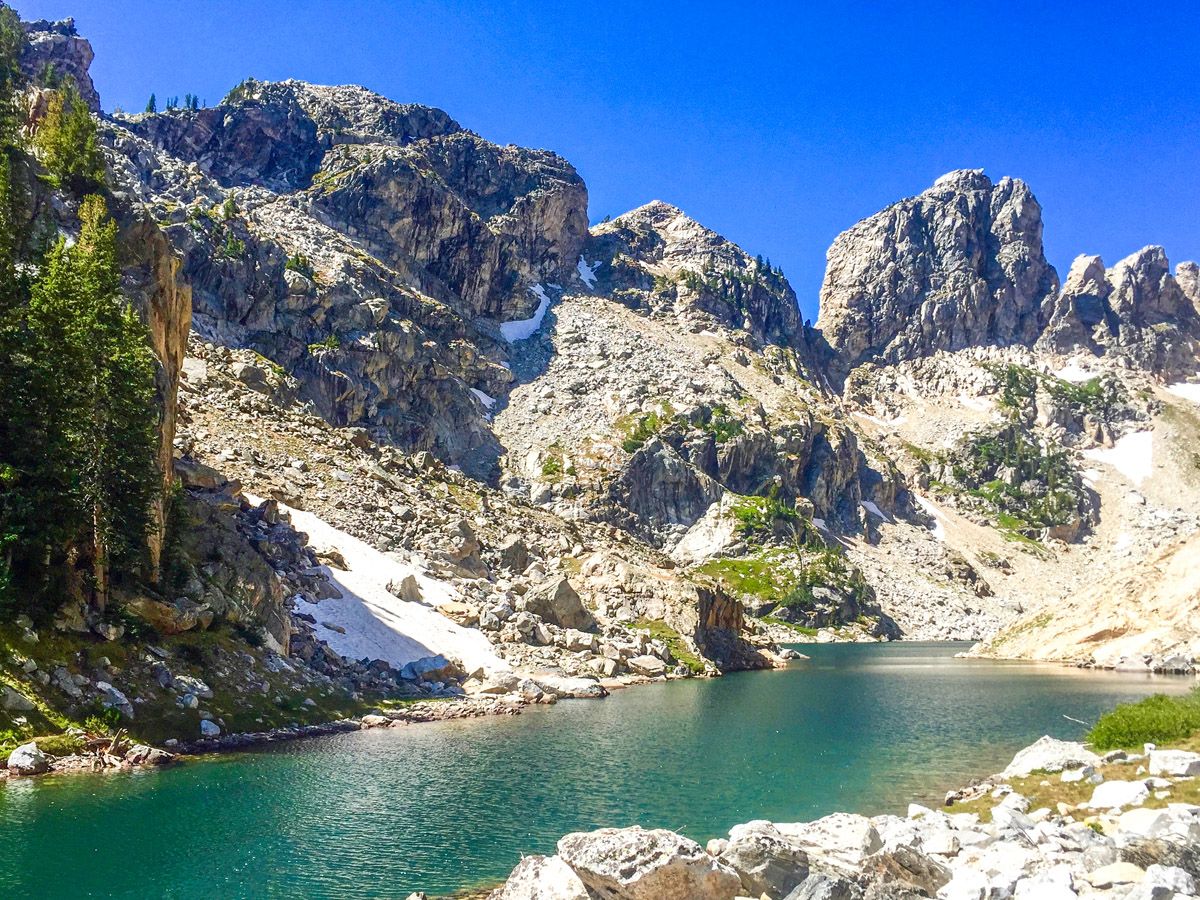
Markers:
point(444, 806)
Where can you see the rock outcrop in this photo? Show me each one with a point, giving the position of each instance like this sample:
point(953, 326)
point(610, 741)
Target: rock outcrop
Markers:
point(1136, 309)
point(657, 258)
point(55, 51)
point(959, 265)
point(366, 246)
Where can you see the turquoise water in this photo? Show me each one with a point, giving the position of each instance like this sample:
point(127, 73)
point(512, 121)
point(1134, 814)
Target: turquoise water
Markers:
point(445, 806)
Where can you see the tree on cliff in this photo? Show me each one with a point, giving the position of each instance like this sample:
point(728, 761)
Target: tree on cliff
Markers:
point(66, 141)
point(78, 418)
point(97, 347)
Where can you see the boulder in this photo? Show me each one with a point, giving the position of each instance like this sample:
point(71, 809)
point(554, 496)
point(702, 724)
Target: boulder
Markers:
point(639, 864)
point(186, 684)
point(650, 666)
point(461, 613)
point(568, 686)
point(1050, 755)
point(764, 861)
point(836, 844)
point(431, 668)
point(514, 554)
point(557, 602)
point(28, 760)
point(826, 887)
point(1174, 763)
point(1115, 794)
point(144, 755)
point(14, 701)
point(209, 728)
point(542, 878)
point(407, 589)
point(170, 618)
point(112, 698)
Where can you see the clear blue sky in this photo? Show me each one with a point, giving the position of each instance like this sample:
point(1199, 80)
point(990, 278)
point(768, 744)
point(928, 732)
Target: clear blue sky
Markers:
point(777, 126)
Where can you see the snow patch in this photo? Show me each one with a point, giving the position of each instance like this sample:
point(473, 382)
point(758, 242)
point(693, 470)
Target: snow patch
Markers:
point(1186, 389)
point(1132, 456)
point(587, 273)
point(938, 530)
point(378, 624)
point(487, 401)
point(1074, 372)
point(521, 329)
point(872, 508)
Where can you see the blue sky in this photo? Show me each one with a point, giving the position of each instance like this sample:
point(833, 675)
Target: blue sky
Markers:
point(778, 126)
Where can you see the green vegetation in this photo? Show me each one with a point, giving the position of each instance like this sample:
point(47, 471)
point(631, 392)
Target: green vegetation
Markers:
point(1036, 623)
point(827, 569)
point(78, 453)
point(329, 342)
point(638, 429)
point(67, 145)
point(298, 262)
point(661, 631)
point(802, 629)
point(759, 577)
point(721, 424)
point(763, 518)
point(234, 248)
point(1158, 719)
point(152, 104)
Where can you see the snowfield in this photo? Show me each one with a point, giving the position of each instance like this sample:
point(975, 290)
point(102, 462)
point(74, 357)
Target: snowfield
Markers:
point(1132, 456)
point(587, 273)
point(521, 329)
point(379, 625)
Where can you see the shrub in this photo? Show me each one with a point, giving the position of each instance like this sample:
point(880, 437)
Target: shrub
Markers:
point(298, 262)
point(330, 342)
point(235, 247)
point(1158, 719)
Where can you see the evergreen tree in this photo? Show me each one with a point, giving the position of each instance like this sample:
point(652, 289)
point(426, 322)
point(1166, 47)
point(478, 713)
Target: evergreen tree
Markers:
point(66, 140)
point(152, 104)
point(104, 398)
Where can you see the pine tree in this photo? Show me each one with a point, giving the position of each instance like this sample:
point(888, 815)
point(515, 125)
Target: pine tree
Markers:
point(118, 442)
point(152, 104)
point(66, 140)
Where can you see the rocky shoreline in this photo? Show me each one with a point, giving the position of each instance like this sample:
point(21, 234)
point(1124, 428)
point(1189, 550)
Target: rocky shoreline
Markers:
point(1127, 828)
point(117, 753)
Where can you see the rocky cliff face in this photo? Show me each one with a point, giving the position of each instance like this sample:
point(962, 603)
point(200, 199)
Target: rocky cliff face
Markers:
point(1136, 310)
point(56, 51)
point(409, 239)
point(959, 265)
point(657, 258)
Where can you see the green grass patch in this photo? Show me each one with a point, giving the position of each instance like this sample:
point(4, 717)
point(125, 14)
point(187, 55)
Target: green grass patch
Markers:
point(802, 629)
point(661, 631)
point(1158, 719)
point(759, 577)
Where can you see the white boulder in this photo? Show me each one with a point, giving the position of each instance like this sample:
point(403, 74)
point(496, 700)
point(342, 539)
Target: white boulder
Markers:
point(1174, 763)
point(639, 864)
point(28, 760)
point(1116, 794)
point(1048, 754)
point(837, 843)
point(542, 878)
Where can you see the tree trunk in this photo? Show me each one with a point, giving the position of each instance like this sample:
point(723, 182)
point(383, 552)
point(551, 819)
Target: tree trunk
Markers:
point(99, 561)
